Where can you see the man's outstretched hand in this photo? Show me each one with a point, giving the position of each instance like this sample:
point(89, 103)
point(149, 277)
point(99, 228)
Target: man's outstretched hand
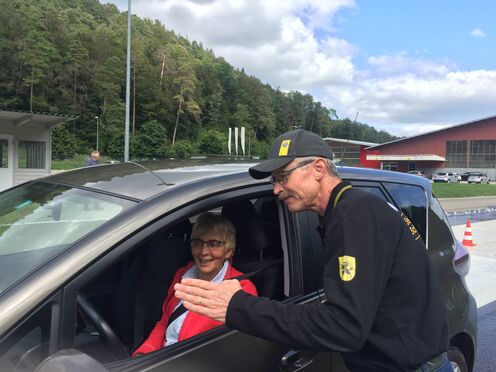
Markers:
point(207, 298)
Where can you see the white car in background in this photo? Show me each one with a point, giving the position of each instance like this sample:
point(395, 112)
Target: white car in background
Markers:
point(447, 177)
point(458, 176)
point(479, 178)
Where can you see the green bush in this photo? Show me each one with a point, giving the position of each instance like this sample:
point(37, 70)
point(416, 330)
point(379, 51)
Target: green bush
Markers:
point(213, 142)
point(183, 149)
point(64, 143)
point(261, 149)
point(150, 140)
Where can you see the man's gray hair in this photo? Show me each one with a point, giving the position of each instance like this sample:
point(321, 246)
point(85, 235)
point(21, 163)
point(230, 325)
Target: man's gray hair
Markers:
point(331, 167)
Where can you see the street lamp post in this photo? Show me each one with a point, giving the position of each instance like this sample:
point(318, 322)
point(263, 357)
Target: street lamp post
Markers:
point(128, 83)
point(97, 119)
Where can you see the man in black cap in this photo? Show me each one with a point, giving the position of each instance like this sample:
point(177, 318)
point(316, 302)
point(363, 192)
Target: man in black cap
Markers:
point(384, 308)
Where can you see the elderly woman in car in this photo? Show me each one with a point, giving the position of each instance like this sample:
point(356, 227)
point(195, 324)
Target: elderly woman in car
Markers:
point(213, 241)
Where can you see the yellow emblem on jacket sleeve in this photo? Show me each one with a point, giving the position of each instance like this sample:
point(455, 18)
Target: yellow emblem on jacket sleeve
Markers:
point(283, 150)
point(347, 268)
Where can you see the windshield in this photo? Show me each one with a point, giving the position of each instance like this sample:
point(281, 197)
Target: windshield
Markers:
point(39, 220)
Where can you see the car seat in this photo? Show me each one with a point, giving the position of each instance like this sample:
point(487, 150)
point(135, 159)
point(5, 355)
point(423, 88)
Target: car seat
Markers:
point(137, 302)
point(252, 249)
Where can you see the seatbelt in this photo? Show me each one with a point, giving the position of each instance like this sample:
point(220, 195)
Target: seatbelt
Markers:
point(180, 310)
point(253, 273)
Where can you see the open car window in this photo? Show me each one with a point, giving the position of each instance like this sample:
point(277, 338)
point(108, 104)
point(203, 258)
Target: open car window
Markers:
point(128, 295)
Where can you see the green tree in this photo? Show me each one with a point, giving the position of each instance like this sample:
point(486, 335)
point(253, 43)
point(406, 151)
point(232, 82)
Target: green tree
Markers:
point(183, 149)
point(150, 140)
point(186, 84)
point(64, 143)
point(213, 142)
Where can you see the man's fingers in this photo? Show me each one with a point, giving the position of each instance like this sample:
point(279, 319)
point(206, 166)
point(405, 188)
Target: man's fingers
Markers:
point(198, 283)
point(195, 308)
point(206, 311)
point(192, 298)
point(191, 291)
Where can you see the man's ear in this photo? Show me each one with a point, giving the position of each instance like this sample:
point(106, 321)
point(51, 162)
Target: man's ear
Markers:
point(320, 167)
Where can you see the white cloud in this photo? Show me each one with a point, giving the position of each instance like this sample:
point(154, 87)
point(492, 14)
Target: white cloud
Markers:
point(293, 44)
point(396, 103)
point(273, 40)
point(387, 65)
point(477, 32)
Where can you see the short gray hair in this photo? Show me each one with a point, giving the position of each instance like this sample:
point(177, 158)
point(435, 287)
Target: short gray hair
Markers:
point(331, 167)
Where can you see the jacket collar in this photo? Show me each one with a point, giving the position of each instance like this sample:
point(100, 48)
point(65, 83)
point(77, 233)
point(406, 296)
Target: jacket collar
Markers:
point(336, 196)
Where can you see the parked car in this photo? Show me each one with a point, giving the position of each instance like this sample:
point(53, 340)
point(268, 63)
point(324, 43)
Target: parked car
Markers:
point(466, 175)
point(458, 176)
point(479, 178)
point(87, 255)
point(417, 173)
point(446, 177)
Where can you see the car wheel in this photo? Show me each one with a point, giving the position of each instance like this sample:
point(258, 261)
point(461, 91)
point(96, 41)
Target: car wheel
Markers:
point(449, 181)
point(457, 360)
point(109, 338)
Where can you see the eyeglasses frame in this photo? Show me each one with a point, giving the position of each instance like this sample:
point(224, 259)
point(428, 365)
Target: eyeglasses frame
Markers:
point(285, 173)
point(201, 243)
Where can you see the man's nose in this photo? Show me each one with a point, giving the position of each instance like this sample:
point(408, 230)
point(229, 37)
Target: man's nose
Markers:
point(278, 188)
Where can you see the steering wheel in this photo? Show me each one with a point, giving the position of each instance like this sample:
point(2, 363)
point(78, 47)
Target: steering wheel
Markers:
point(109, 338)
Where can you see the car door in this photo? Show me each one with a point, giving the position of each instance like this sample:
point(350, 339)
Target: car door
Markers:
point(219, 349)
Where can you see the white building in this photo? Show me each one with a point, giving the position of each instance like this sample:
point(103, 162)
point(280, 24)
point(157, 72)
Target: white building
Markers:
point(26, 145)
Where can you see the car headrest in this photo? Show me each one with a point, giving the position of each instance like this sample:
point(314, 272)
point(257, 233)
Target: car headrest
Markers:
point(250, 234)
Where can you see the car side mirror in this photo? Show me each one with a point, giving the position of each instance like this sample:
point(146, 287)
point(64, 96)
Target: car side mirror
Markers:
point(70, 360)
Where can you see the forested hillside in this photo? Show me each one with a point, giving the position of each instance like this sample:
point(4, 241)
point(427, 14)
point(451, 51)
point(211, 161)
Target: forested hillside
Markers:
point(68, 57)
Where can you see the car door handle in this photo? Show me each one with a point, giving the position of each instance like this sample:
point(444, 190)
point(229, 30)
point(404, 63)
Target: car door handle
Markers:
point(296, 360)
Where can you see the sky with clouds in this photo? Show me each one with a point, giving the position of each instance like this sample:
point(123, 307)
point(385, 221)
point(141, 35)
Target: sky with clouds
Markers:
point(406, 67)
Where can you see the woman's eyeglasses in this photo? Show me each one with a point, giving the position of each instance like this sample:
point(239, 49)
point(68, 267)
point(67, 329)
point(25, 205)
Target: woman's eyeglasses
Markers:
point(212, 245)
point(282, 177)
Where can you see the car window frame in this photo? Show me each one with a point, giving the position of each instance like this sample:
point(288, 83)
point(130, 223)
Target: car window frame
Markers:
point(50, 320)
point(135, 239)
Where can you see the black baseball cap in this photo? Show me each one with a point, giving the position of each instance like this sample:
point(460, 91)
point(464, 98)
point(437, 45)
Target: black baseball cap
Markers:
point(287, 147)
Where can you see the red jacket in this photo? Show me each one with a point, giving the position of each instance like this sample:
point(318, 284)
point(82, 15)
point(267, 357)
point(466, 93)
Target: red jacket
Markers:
point(193, 323)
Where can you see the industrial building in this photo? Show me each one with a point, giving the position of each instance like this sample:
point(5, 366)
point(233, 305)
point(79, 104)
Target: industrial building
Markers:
point(464, 147)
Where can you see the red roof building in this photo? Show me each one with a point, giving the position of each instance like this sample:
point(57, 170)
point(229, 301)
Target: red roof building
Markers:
point(460, 148)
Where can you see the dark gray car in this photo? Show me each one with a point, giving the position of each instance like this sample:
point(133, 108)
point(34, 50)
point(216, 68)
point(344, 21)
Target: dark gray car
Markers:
point(86, 258)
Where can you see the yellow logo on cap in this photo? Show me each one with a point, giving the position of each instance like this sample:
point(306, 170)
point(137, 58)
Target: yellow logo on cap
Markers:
point(283, 150)
point(347, 268)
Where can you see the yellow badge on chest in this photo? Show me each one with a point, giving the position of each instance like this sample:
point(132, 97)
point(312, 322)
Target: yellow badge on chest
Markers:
point(347, 268)
point(283, 150)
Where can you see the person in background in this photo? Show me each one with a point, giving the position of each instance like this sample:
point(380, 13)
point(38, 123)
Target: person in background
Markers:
point(384, 308)
point(94, 159)
point(212, 247)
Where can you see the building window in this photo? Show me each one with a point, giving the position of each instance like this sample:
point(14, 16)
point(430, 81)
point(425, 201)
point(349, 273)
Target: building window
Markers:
point(390, 165)
point(4, 153)
point(483, 154)
point(471, 154)
point(32, 154)
point(348, 155)
point(456, 154)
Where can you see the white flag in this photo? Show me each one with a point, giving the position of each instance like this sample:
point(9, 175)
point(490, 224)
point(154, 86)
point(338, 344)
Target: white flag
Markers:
point(236, 139)
point(242, 138)
point(229, 141)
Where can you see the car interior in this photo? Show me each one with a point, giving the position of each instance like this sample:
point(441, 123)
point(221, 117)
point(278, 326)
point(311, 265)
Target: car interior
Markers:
point(130, 294)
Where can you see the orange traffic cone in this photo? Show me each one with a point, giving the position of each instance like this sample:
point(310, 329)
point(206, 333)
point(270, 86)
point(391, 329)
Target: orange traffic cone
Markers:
point(467, 237)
